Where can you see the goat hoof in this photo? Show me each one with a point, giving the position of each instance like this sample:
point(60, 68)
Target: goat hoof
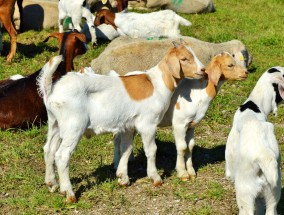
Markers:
point(95, 45)
point(52, 187)
point(185, 178)
point(123, 180)
point(158, 183)
point(71, 199)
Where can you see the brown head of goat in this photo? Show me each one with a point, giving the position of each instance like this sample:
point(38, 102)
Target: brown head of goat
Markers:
point(20, 104)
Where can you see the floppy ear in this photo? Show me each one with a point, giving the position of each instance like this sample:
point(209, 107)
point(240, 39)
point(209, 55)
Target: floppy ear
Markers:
point(81, 37)
point(281, 90)
point(214, 72)
point(173, 64)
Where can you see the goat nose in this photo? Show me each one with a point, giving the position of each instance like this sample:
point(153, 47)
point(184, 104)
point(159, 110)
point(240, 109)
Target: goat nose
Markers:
point(202, 69)
point(246, 72)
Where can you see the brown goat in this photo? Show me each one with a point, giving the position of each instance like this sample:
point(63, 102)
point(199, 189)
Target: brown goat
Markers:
point(6, 13)
point(20, 103)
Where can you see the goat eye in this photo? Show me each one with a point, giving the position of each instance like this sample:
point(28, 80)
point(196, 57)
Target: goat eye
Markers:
point(230, 65)
point(184, 59)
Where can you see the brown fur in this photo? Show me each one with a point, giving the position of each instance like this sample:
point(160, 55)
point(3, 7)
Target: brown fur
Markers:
point(105, 16)
point(177, 64)
point(20, 103)
point(6, 13)
point(138, 87)
point(177, 106)
point(223, 67)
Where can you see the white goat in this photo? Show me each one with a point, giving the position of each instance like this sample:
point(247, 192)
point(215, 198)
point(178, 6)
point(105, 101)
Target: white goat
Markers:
point(99, 103)
point(76, 9)
point(252, 154)
point(189, 105)
point(164, 23)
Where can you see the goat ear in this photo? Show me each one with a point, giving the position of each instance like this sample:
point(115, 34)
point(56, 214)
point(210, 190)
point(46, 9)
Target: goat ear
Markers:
point(81, 37)
point(54, 34)
point(214, 72)
point(174, 65)
point(176, 44)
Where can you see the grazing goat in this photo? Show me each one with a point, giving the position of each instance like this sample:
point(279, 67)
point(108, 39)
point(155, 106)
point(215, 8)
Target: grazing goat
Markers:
point(188, 106)
point(252, 154)
point(164, 23)
point(6, 13)
point(76, 9)
point(20, 103)
point(78, 103)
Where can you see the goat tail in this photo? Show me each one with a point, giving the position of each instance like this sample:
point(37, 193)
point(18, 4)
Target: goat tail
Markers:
point(184, 21)
point(45, 78)
point(269, 166)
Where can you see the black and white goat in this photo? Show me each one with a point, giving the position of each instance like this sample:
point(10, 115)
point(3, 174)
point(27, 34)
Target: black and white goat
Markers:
point(252, 154)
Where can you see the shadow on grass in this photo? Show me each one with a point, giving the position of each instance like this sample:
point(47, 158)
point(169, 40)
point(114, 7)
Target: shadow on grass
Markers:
point(29, 50)
point(137, 169)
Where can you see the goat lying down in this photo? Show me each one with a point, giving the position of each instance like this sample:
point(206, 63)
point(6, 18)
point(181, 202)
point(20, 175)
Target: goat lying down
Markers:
point(189, 105)
point(20, 104)
point(76, 9)
point(78, 103)
point(252, 154)
point(164, 23)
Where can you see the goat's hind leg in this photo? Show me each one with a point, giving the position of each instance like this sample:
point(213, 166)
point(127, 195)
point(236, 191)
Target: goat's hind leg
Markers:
point(125, 148)
point(90, 22)
point(50, 148)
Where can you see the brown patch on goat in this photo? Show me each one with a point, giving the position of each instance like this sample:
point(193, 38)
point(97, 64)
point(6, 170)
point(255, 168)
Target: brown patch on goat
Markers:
point(177, 106)
point(105, 16)
point(178, 63)
point(138, 87)
point(192, 124)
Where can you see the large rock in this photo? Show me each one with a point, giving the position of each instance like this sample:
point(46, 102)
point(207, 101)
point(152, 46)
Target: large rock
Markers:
point(126, 54)
point(182, 6)
point(38, 14)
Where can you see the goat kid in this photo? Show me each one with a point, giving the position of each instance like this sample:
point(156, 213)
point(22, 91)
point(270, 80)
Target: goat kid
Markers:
point(76, 9)
point(20, 103)
point(164, 23)
point(78, 103)
point(252, 154)
point(189, 105)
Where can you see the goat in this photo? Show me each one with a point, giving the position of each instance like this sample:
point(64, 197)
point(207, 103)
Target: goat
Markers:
point(252, 154)
point(76, 9)
point(113, 5)
point(78, 103)
point(188, 106)
point(6, 12)
point(20, 103)
point(164, 23)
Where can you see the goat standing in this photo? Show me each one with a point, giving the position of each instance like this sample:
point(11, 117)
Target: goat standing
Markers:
point(252, 154)
point(78, 103)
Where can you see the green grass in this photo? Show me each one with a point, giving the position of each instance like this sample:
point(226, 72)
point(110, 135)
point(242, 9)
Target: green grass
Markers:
point(257, 23)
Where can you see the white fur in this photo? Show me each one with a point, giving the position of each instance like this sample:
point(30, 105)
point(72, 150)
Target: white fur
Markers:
point(96, 103)
point(103, 31)
point(76, 10)
point(164, 23)
point(193, 101)
point(252, 154)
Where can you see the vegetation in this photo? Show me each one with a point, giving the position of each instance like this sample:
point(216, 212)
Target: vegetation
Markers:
point(257, 23)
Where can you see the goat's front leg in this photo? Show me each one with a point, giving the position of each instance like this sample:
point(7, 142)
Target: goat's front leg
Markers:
point(13, 36)
point(188, 154)
point(150, 149)
point(181, 146)
point(90, 22)
point(61, 17)
point(50, 148)
point(125, 149)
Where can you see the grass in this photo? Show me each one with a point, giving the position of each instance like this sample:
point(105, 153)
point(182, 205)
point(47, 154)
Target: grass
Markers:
point(257, 23)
